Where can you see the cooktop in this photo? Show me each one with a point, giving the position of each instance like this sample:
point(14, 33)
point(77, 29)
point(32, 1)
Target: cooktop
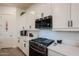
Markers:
point(44, 41)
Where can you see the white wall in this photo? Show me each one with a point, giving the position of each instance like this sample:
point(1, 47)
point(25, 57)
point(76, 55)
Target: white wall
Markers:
point(70, 38)
point(7, 10)
point(8, 39)
point(8, 14)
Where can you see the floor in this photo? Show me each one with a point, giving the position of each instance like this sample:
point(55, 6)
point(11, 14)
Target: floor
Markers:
point(11, 52)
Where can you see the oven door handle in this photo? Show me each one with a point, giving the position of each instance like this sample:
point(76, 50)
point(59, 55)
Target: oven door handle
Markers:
point(37, 50)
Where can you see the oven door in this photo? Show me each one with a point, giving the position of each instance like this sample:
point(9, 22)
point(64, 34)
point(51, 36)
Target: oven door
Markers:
point(36, 52)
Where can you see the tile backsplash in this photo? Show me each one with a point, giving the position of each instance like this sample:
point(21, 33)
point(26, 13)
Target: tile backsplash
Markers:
point(71, 38)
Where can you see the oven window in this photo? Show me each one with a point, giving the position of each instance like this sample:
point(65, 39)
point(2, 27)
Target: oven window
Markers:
point(32, 52)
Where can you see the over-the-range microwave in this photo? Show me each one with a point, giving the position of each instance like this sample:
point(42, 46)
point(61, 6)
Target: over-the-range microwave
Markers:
point(44, 23)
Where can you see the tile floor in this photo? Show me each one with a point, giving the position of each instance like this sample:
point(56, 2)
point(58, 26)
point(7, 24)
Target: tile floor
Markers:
point(11, 52)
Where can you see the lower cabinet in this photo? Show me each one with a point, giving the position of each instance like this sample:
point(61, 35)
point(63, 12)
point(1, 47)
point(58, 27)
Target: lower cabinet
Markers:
point(24, 46)
point(54, 53)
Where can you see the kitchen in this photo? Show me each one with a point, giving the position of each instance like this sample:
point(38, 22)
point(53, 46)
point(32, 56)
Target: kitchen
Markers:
point(40, 29)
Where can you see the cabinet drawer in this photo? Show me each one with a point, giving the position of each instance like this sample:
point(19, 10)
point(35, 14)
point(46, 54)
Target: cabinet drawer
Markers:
point(54, 53)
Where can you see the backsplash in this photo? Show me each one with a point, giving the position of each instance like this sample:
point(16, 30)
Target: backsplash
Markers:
point(70, 38)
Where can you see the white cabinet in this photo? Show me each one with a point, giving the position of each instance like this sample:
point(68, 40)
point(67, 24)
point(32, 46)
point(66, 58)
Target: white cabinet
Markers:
point(65, 16)
point(53, 53)
point(75, 15)
point(21, 20)
point(23, 44)
point(31, 15)
point(26, 47)
point(27, 20)
point(30, 20)
point(38, 10)
point(46, 9)
point(61, 15)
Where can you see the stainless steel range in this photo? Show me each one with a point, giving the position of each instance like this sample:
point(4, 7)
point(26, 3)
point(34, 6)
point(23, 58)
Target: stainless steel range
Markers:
point(38, 46)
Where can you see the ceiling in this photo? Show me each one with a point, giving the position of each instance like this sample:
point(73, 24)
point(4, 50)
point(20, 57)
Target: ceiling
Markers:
point(18, 5)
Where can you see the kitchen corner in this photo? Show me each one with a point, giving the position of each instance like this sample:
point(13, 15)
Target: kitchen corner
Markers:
point(40, 29)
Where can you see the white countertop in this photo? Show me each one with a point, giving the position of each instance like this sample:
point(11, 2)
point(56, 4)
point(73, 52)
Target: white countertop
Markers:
point(65, 49)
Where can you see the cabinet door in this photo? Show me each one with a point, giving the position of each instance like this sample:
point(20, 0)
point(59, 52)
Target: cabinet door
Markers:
point(75, 14)
point(31, 20)
point(25, 47)
point(38, 10)
point(32, 14)
point(44, 8)
point(47, 9)
point(27, 21)
point(61, 15)
point(20, 44)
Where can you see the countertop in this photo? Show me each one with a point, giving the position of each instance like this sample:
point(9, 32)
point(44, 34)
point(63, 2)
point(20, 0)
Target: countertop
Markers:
point(66, 50)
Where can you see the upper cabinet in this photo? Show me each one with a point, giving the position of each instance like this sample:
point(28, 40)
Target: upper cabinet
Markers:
point(30, 17)
point(46, 9)
point(61, 15)
point(65, 16)
point(20, 20)
point(75, 15)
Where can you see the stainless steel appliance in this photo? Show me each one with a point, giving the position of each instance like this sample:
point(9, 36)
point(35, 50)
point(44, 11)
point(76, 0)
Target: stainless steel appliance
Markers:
point(38, 46)
point(44, 23)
